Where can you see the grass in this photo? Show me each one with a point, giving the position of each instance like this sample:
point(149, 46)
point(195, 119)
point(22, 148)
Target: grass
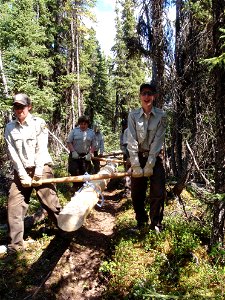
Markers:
point(175, 264)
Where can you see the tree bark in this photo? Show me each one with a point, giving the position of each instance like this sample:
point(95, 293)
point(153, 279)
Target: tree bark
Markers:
point(218, 7)
point(4, 80)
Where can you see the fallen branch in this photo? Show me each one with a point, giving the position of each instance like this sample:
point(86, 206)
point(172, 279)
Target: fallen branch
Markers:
point(55, 137)
point(196, 165)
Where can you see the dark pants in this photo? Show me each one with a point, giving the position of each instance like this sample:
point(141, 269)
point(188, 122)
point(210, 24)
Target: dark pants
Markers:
point(126, 168)
point(157, 194)
point(78, 167)
point(96, 163)
point(18, 202)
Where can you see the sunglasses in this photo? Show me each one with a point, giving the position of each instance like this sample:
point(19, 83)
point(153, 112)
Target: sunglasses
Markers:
point(147, 93)
point(19, 106)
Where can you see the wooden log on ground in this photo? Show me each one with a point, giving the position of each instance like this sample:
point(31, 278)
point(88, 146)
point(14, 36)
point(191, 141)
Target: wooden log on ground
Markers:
point(73, 215)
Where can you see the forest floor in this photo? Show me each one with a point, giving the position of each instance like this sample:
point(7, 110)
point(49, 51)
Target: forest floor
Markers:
point(55, 267)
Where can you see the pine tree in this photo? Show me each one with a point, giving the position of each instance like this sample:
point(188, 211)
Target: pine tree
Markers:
point(128, 67)
point(24, 52)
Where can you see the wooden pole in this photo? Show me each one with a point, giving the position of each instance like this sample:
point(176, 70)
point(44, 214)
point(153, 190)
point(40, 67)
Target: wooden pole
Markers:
point(84, 178)
point(112, 154)
point(109, 160)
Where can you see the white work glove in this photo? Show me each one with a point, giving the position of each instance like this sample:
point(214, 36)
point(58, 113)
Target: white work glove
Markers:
point(37, 180)
point(26, 181)
point(137, 171)
point(148, 170)
point(88, 157)
point(75, 155)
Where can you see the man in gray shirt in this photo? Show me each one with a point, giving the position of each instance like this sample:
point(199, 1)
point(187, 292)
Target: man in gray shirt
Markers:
point(27, 141)
point(145, 137)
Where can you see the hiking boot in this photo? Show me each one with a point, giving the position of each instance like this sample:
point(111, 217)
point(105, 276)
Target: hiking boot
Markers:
point(135, 229)
point(127, 193)
point(139, 227)
point(156, 228)
point(3, 249)
point(15, 250)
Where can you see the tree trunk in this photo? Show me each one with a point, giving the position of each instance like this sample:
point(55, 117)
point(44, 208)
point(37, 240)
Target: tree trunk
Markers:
point(158, 48)
point(218, 7)
point(4, 81)
point(73, 70)
point(79, 102)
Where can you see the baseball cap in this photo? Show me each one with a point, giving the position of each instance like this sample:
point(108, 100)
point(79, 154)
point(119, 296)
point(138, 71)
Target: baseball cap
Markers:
point(21, 99)
point(150, 86)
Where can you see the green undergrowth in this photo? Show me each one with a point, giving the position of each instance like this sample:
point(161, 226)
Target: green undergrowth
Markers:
point(175, 264)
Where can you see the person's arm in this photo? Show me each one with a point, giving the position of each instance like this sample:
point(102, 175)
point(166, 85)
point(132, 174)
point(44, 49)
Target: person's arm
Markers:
point(158, 141)
point(70, 145)
point(16, 161)
point(93, 145)
point(132, 146)
point(69, 141)
point(132, 141)
point(42, 155)
point(101, 148)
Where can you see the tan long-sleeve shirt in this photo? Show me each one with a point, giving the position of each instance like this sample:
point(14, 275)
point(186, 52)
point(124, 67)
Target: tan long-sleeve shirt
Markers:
point(145, 134)
point(28, 144)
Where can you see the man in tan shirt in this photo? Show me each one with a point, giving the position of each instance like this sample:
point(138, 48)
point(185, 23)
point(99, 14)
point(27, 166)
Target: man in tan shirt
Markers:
point(145, 137)
point(27, 141)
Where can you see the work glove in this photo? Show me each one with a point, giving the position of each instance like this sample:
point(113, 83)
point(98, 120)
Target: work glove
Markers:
point(26, 181)
point(37, 180)
point(88, 157)
point(148, 170)
point(75, 155)
point(137, 171)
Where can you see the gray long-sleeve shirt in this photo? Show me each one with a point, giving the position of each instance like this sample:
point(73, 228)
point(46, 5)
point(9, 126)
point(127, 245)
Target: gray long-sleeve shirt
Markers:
point(145, 134)
point(82, 141)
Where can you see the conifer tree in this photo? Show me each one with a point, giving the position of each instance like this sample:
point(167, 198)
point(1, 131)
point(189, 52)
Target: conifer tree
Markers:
point(128, 67)
point(22, 43)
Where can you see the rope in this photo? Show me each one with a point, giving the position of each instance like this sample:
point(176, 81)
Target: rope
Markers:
point(89, 184)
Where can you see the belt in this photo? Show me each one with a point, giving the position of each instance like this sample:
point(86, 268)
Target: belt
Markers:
point(30, 168)
point(144, 153)
point(46, 164)
point(82, 155)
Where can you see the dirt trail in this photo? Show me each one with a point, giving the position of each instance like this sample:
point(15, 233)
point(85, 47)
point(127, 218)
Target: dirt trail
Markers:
point(71, 265)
